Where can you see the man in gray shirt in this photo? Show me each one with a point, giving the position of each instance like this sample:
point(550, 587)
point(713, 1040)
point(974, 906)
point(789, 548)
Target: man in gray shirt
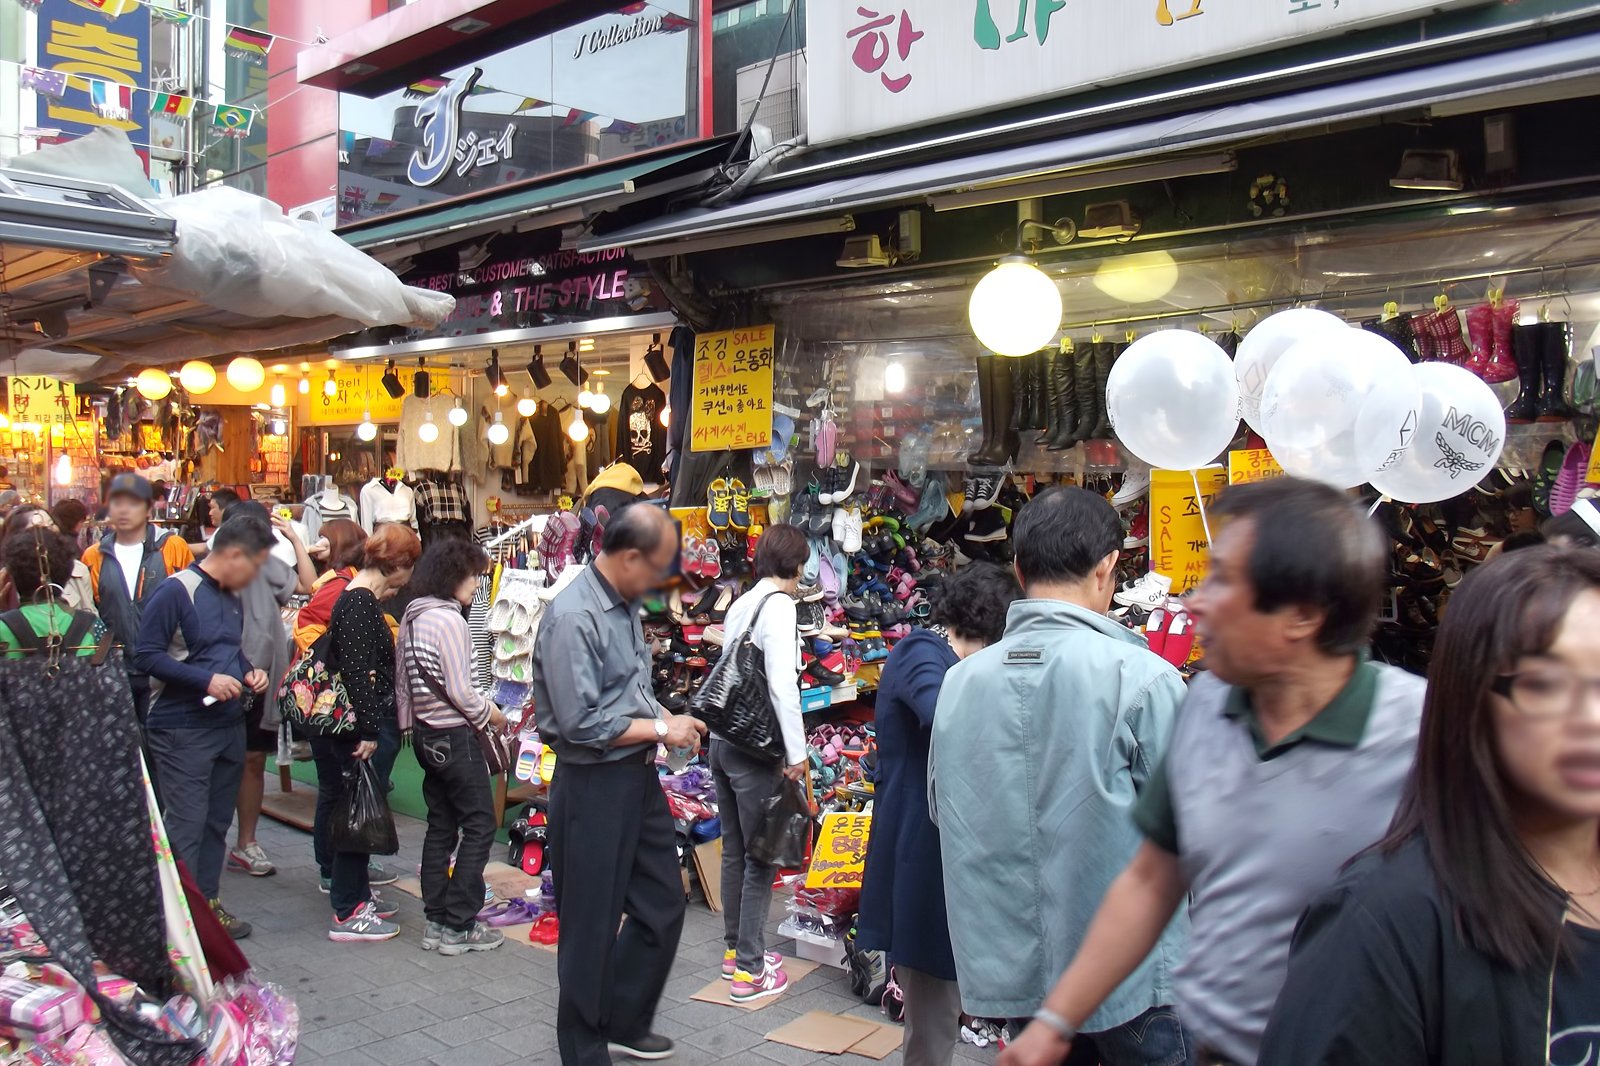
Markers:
point(1287, 760)
point(612, 840)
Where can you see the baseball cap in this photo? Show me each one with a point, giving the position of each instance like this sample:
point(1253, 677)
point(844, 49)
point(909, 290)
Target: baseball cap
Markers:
point(131, 485)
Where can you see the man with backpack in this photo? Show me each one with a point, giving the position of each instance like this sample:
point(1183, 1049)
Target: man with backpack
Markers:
point(125, 567)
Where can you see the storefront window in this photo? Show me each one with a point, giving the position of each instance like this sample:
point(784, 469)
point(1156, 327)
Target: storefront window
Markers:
point(605, 89)
point(744, 40)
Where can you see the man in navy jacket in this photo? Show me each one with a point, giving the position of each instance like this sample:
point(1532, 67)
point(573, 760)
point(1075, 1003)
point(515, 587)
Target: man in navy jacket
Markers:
point(190, 643)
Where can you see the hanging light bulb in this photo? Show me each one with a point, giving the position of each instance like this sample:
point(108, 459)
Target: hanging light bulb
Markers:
point(428, 432)
point(278, 427)
point(894, 376)
point(279, 396)
point(246, 374)
point(197, 378)
point(499, 432)
point(585, 398)
point(666, 416)
point(527, 405)
point(64, 469)
point(1016, 308)
point(366, 430)
point(458, 414)
point(330, 387)
point(5, 421)
point(601, 402)
point(153, 383)
point(305, 386)
point(578, 429)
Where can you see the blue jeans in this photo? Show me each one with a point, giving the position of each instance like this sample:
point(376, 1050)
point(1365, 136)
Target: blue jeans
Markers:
point(1154, 1038)
point(388, 750)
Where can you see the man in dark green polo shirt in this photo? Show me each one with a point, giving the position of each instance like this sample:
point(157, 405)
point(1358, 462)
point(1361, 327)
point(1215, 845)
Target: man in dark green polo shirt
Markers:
point(1287, 759)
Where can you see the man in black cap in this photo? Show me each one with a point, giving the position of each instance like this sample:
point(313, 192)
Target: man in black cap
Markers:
point(127, 564)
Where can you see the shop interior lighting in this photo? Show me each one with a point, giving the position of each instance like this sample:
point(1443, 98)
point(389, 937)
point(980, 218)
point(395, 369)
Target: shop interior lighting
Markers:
point(458, 414)
point(279, 395)
point(64, 469)
point(578, 429)
point(495, 376)
point(499, 432)
point(894, 377)
point(536, 369)
point(527, 405)
point(5, 421)
point(585, 397)
point(421, 384)
point(246, 374)
point(1429, 171)
point(278, 427)
point(735, 237)
point(330, 387)
point(305, 386)
point(1015, 309)
point(391, 381)
point(428, 432)
point(197, 377)
point(1066, 184)
point(666, 416)
point(1139, 278)
point(601, 402)
point(366, 430)
point(153, 383)
point(586, 344)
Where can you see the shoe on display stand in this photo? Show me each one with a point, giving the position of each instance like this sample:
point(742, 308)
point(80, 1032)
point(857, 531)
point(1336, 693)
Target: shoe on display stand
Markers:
point(1135, 487)
point(997, 404)
point(1526, 344)
point(1553, 351)
point(1105, 356)
point(1138, 532)
point(983, 489)
point(1149, 592)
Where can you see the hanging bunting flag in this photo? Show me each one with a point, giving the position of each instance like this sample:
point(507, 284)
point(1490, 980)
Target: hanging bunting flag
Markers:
point(109, 8)
point(675, 24)
point(425, 87)
point(171, 104)
point(620, 127)
point(51, 83)
point(232, 120)
point(531, 102)
point(111, 99)
point(247, 44)
point(632, 9)
point(172, 15)
point(385, 199)
point(575, 116)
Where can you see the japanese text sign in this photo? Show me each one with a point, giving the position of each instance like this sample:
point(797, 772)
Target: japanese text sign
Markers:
point(840, 857)
point(42, 401)
point(732, 390)
point(357, 392)
point(1179, 546)
point(1252, 464)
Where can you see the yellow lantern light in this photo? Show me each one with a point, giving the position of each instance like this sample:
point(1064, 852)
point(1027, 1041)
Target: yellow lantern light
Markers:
point(197, 378)
point(153, 383)
point(246, 374)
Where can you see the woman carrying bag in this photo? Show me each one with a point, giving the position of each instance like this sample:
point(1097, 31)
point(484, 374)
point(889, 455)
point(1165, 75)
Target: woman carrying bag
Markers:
point(746, 780)
point(433, 682)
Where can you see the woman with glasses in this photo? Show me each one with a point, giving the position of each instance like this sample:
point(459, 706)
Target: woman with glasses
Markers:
point(1471, 933)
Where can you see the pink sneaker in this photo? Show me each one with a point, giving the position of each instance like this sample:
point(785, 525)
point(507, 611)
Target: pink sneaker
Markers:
point(747, 989)
point(774, 960)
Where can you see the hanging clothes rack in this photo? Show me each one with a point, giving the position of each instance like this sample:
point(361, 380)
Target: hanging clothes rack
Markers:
point(516, 530)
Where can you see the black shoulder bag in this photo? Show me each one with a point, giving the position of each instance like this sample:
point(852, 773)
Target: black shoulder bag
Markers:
point(734, 701)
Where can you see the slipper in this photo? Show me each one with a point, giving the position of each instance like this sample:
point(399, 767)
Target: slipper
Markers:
point(739, 504)
point(509, 912)
point(782, 477)
point(1545, 479)
point(500, 615)
point(1573, 475)
point(761, 473)
point(782, 433)
point(546, 931)
point(808, 573)
point(719, 503)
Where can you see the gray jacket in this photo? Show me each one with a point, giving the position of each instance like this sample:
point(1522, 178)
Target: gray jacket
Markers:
point(1040, 744)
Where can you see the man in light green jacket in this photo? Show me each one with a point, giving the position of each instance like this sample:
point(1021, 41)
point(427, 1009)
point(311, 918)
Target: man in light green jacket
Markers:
point(1041, 744)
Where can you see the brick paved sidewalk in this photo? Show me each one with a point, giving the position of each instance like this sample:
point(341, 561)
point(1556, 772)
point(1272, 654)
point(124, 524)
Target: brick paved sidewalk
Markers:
point(393, 1003)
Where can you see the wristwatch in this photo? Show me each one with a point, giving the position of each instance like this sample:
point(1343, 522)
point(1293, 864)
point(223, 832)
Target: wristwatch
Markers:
point(1056, 1024)
point(661, 729)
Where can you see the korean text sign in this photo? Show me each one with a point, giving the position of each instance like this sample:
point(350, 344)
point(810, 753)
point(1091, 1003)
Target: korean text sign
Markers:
point(840, 857)
point(1178, 543)
point(43, 401)
point(1252, 464)
point(357, 392)
point(732, 390)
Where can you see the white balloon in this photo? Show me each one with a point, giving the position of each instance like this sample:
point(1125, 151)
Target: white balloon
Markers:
point(1460, 435)
point(1335, 403)
point(1262, 347)
point(1173, 399)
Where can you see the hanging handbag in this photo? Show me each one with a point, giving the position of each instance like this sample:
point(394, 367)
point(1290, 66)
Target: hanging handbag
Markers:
point(496, 746)
point(734, 701)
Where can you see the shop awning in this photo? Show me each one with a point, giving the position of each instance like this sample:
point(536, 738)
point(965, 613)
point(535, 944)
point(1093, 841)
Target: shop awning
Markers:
point(541, 204)
point(824, 206)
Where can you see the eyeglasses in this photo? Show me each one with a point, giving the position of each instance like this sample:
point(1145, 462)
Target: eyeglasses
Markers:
point(1546, 693)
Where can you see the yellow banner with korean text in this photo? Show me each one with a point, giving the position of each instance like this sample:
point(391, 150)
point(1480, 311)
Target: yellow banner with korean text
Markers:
point(732, 390)
point(1252, 464)
point(357, 391)
point(1179, 546)
point(840, 858)
point(41, 401)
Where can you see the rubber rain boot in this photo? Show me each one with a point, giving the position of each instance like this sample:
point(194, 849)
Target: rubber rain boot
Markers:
point(1553, 406)
point(1525, 345)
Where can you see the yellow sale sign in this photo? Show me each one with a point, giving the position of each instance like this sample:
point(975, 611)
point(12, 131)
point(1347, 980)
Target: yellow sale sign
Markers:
point(840, 857)
point(1178, 542)
point(732, 390)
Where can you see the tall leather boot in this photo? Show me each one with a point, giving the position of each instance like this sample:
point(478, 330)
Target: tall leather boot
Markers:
point(1038, 393)
point(1525, 343)
point(1104, 356)
point(1062, 383)
point(1553, 406)
point(1047, 397)
point(1006, 440)
point(1083, 394)
point(986, 367)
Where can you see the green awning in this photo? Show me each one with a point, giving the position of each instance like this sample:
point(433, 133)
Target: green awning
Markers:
point(600, 183)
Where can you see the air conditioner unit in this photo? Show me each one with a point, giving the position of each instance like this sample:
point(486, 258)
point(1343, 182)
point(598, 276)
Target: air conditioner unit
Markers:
point(865, 250)
point(782, 110)
point(1109, 221)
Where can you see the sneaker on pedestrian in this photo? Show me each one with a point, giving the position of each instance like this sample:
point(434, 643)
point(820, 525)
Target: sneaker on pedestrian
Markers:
point(648, 1048)
point(432, 933)
point(325, 885)
point(747, 989)
point(252, 860)
point(378, 874)
point(479, 938)
point(364, 924)
point(384, 908)
point(237, 928)
point(729, 965)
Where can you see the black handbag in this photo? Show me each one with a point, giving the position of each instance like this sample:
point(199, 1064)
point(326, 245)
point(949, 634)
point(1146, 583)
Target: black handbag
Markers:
point(734, 701)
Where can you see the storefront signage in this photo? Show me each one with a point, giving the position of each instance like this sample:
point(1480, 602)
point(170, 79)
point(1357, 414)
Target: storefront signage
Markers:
point(42, 401)
point(356, 392)
point(1179, 546)
point(444, 147)
point(876, 65)
point(94, 45)
point(840, 858)
point(622, 32)
point(732, 390)
point(1252, 464)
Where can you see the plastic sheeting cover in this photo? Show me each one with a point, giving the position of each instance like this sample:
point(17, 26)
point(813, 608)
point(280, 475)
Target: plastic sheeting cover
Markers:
point(240, 252)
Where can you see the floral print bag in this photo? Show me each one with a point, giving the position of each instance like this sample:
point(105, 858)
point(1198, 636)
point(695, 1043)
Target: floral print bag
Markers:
point(312, 694)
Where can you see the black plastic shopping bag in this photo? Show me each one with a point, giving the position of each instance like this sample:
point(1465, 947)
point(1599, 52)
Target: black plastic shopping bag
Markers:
point(361, 821)
point(784, 828)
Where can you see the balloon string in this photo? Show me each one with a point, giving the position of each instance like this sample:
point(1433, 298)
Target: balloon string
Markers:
point(1381, 500)
point(1200, 503)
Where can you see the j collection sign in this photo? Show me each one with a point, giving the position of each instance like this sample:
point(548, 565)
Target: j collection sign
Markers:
point(879, 65)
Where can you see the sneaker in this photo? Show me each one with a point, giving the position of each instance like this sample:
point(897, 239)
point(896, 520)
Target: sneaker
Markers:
point(325, 885)
point(1138, 532)
point(747, 989)
point(432, 933)
point(383, 908)
point(980, 1032)
point(729, 966)
point(648, 1048)
point(237, 928)
point(252, 860)
point(479, 938)
point(364, 924)
point(1149, 592)
point(378, 875)
point(1135, 486)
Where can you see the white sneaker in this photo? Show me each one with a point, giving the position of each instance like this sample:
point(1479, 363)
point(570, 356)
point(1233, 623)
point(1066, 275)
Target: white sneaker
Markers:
point(1149, 592)
point(852, 531)
point(1135, 486)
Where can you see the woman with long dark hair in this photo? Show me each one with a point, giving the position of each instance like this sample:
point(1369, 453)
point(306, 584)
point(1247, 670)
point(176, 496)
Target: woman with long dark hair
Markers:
point(1471, 933)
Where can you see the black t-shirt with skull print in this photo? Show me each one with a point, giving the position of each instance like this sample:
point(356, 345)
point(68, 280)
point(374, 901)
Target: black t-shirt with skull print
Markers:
point(641, 438)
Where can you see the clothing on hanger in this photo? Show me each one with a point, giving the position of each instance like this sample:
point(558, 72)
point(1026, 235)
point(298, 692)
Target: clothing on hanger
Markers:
point(411, 452)
point(641, 439)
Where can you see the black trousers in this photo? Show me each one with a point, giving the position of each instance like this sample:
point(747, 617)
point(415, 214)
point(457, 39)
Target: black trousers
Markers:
point(455, 786)
point(347, 869)
point(614, 855)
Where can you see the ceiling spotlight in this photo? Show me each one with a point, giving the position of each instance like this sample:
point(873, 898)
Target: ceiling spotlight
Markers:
point(420, 383)
point(366, 430)
point(527, 406)
point(1429, 170)
point(578, 429)
point(570, 366)
point(278, 427)
point(536, 370)
point(458, 414)
point(391, 381)
point(428, 432)
point(499, 432)
point(496, 377)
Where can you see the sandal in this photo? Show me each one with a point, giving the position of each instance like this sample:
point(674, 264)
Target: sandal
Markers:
point(546, 930)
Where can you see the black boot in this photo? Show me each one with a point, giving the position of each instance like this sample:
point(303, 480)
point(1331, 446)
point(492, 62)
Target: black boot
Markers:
point(1082, 394)
point(1104, 356)
point(1553, 406)
point(1035, 402)
point(1062, 383)
point(1002, 406)
point(1051, 421)
point(986, 367)
point(1525, 345)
